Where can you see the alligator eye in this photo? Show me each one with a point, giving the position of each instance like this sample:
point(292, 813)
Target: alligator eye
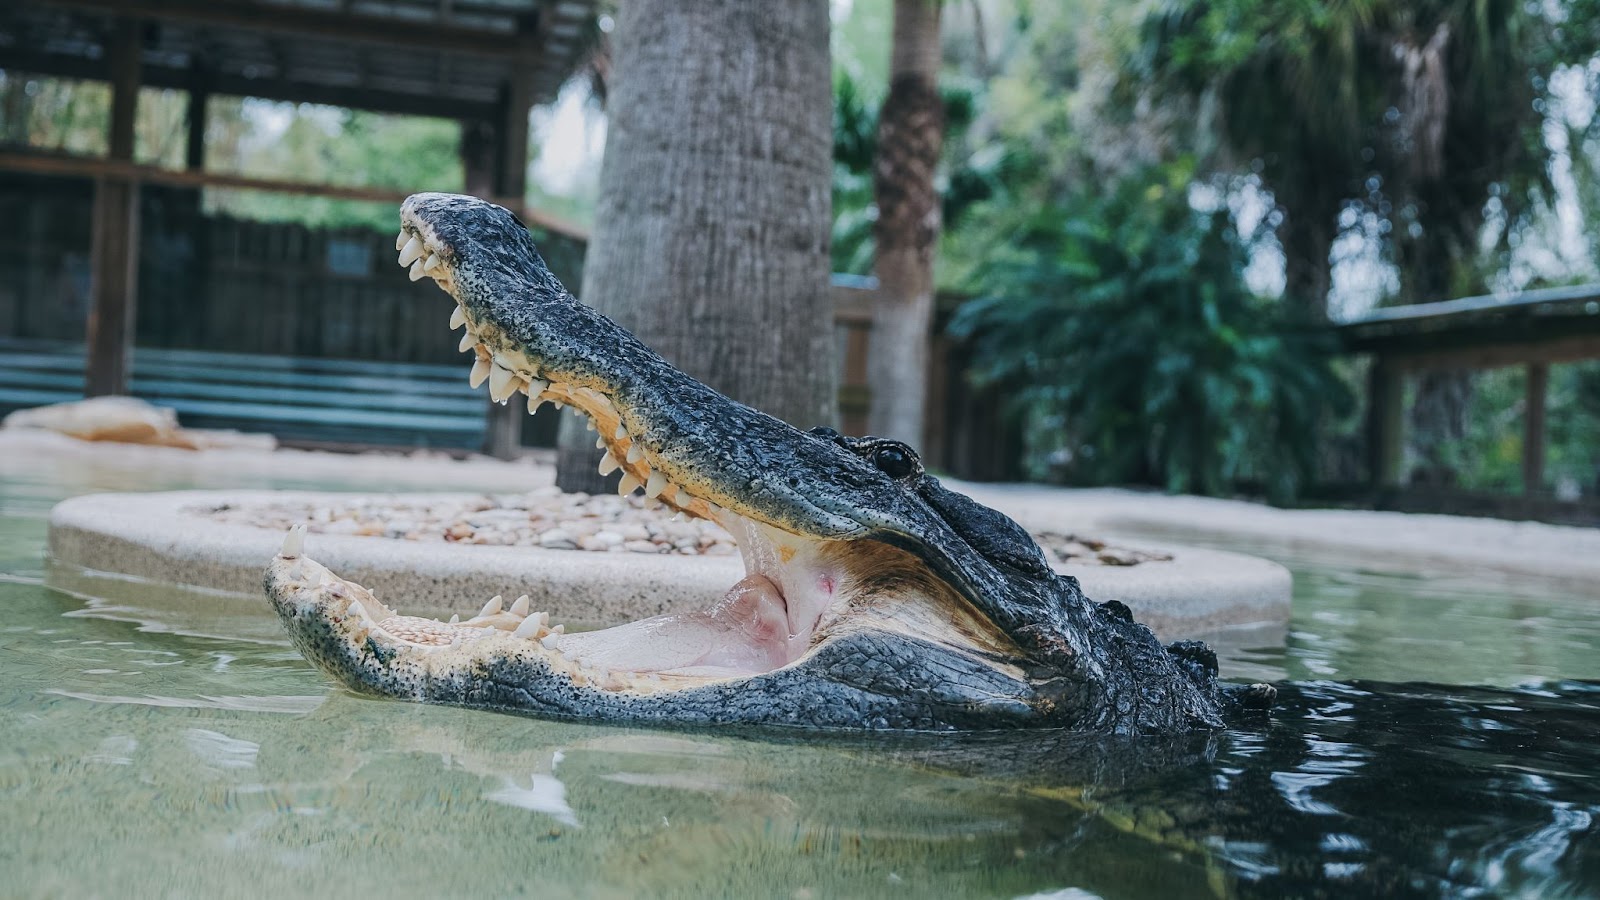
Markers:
point(893, 461)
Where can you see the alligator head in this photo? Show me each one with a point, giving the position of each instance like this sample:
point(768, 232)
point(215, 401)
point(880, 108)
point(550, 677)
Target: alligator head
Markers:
point(873, 596)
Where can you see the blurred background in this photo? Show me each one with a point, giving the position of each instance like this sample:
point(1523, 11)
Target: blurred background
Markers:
point(1314, 253)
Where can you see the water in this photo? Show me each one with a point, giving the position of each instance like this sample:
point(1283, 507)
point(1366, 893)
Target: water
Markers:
point(158, 742)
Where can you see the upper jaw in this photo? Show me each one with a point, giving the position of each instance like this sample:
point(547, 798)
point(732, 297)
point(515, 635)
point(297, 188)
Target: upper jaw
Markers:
point(671, 436)
point(679, 441)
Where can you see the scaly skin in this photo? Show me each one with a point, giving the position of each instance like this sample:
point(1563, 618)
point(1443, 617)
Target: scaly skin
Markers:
point(927, 611)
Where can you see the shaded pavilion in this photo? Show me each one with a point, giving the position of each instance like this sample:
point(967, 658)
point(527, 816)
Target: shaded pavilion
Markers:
point(484, 63)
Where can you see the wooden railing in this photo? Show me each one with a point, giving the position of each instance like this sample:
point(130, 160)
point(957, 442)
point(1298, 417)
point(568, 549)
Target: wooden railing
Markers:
point(1533, 329)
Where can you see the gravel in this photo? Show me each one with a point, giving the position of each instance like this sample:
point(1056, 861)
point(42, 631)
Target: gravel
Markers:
point(544, 518)
point(554, 520)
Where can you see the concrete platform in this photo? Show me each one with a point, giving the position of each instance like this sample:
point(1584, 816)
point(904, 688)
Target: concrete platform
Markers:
point(161, 538)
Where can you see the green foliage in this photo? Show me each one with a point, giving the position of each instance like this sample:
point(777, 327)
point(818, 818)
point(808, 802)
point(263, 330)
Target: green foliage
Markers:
point(1420, 111)
point(855, 143)
point(1122, 327)
point(1489, 456)
point(333, 145)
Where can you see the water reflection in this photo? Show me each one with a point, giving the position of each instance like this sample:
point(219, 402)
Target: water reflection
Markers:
point(170, 739)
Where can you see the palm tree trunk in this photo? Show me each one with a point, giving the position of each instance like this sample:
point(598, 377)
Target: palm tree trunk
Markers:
point(1443, 402)
point(712, 225)
point(1307, 239)
point(910, 139)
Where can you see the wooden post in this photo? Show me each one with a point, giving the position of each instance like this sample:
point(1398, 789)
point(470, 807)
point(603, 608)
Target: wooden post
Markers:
point(194, 154)
point(1533, 418)
point(1385, 423)
point(503, 435)
point(479, 150)
point(114, 250)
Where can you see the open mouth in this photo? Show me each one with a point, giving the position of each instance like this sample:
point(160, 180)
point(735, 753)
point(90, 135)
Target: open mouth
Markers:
point(797, 589)
point(767, 620)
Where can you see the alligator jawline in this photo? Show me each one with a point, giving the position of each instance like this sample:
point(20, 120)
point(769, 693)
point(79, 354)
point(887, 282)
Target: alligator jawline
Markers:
point(796, 594)
point(797, 590)
point(884, 599)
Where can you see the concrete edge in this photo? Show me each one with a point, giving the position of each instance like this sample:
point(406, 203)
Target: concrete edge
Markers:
point(155, 537)
point(1403, 541)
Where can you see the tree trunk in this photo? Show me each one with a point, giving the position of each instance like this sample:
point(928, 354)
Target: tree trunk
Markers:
point(712, 225)
point(910, 138)
point(1307, 240)
point(1427, 263)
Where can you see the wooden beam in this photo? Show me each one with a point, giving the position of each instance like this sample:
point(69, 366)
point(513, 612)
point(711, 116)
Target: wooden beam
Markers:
point(1571, 348)
point(194, 154)
point(55, 164)
point(432, 104)
point(513, 133)
point(114, 241)
point(478, 151)
point(1533, 430)
point(303, 21)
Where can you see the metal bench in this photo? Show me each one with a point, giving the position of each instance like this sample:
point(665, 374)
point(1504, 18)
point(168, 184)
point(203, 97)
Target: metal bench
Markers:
point(296, 399)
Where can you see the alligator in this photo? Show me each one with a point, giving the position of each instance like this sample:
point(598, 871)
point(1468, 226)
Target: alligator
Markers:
point(874, 597)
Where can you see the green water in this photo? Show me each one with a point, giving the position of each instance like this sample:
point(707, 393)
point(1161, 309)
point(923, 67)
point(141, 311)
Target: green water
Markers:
point(157, 744)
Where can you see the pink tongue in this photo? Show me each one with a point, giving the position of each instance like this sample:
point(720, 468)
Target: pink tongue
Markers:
point(746, 632)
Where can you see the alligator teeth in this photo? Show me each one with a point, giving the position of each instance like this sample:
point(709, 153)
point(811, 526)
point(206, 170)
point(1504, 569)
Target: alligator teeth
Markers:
point(431, 263)
point(467, 340)
point(519, 606)
point(622, 431)
point(635, 453)
point(528, 629)
point(656, 484)
point(534, 401)
point(294, 542)
point(455, 619)
point(552, 640)
point(493, 607)
point(480, 371)
point(608, 463)
point(501, 384)
point(537, 386)
point(589, 424)
point(600, 443)
point(458, 318)
point(411, 252)
point(400, 240)
point(629, 482)
point(416, 272)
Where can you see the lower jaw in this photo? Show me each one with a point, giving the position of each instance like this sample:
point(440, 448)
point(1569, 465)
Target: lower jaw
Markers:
point(741, 635)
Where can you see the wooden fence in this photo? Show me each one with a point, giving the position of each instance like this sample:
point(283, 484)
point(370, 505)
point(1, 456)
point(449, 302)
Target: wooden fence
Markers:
point(223, 285)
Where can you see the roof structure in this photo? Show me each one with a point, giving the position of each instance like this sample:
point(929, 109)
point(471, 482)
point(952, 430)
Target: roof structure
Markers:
point(450, 58)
